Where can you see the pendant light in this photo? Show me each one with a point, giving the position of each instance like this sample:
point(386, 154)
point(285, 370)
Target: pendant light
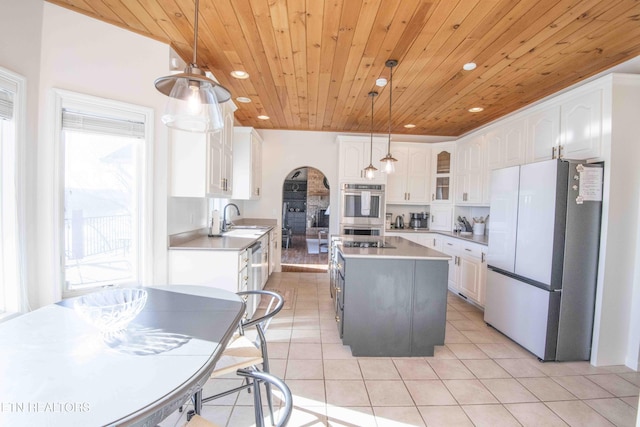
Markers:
point(388, 161)
point(193, 97)
point(370, 171)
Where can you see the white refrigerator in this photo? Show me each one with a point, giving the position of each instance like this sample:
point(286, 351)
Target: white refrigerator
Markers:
point(543, 256)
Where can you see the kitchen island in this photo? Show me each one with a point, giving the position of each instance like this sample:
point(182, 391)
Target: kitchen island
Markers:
point(390, 295)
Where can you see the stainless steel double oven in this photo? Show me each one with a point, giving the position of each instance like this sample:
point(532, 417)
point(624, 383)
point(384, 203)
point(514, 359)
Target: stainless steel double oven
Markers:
point(362, 209)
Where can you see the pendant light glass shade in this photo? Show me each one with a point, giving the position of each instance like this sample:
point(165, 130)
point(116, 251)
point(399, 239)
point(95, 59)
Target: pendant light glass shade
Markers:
point(194, 99)
point(389, 161)
point(370, 171)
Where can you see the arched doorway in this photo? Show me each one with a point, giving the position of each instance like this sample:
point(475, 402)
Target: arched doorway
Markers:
point(305, 221)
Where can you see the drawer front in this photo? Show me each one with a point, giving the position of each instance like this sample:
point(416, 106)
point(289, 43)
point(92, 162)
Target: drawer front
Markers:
point(450, 246)
point(243, 279)
point(471, 250)
point(243, 259)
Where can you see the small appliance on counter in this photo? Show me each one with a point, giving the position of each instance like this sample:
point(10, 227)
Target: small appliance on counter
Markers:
point(419, 220)
point(388, 220)
point(399, 221)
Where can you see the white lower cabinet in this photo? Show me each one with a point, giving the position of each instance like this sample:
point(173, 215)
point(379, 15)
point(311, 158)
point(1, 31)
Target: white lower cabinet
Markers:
point(450, 247)
point(467, 268)
point(219, 269)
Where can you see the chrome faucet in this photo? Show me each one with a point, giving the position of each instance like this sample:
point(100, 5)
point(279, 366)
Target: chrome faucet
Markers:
point(224, 215)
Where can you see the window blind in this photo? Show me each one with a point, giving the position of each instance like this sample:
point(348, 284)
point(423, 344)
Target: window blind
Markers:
point(6, 105)
point(73, 120)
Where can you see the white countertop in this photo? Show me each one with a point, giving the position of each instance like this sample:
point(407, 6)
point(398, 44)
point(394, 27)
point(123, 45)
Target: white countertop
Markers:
point(475, 238)
point(402, 249)
point(199, 240)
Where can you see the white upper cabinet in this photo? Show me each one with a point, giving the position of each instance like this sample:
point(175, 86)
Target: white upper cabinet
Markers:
point(505, 144)
point(410, 183)
point(201, 163)
point(442, 157)
point(470, 170)
point(247, 163)
point(355, 155)
point(543, 134)
point(569, 127)
point(581, 126)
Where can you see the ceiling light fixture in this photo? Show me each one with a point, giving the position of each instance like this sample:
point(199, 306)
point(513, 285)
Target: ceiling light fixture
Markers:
point(370, 171)
point(193, 97)
point(381, 82)
point(469, 66)
point(388, 161)
point(476, 109)
point(239, 74)
point(409, 125)
point(263, 117)
point(243, 99)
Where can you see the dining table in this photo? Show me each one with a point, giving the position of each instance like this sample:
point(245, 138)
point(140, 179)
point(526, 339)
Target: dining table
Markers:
point(58, 370)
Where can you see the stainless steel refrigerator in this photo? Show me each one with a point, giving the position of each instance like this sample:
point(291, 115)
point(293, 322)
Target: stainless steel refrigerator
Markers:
point(543, 256)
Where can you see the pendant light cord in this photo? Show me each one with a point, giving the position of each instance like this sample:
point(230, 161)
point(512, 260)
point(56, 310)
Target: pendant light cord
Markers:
point(373, 94)
point(390, 101)
point(195, 36)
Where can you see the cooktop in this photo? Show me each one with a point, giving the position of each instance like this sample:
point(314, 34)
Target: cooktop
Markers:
point(367, 244)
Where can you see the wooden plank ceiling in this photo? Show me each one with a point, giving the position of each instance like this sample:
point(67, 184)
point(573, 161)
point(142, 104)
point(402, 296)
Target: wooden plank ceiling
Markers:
point(312, 62)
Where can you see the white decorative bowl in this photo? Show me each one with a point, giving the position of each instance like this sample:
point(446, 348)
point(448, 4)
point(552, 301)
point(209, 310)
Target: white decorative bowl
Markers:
point(111, 310)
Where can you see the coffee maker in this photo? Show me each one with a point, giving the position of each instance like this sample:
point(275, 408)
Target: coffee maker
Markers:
point(419, 220)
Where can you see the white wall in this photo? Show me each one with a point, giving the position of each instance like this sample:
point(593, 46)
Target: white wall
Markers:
point(283, 151)
point(84, 55)
point(20, 37)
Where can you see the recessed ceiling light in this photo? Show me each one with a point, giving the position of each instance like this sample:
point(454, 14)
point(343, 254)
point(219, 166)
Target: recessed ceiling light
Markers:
point(262, 117)
point(409, 125)
point(469, 66)
point(476, 109)
point(239, 74)
point(243, 99)
point(381, 82)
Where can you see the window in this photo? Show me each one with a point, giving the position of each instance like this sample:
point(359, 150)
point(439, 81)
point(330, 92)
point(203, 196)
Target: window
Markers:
point(12, 286)
point(105, 203)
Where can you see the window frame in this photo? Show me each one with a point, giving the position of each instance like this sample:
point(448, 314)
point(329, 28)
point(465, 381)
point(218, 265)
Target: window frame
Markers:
point(64, 99)
point(16, 300)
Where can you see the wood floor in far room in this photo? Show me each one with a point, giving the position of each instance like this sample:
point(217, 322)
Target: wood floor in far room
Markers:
point(297, 258)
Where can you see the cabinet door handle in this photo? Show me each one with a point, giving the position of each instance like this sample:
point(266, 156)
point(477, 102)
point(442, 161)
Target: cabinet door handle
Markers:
point(434, 242)
point(482, 255)
point(433, 196)
point(408, 196)
point(468, 250)
point(553, 152)
point(560, 147)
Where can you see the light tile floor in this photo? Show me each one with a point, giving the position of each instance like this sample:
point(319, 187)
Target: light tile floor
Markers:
point(478, 378)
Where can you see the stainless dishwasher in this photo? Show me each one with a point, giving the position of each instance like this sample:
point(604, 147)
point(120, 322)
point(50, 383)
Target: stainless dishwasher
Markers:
point(255, 276)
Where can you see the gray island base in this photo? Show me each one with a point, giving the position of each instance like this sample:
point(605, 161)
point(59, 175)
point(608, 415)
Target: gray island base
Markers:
point(393, 300)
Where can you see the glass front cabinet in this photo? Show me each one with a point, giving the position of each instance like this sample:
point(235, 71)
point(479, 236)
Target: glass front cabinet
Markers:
point(442, 178)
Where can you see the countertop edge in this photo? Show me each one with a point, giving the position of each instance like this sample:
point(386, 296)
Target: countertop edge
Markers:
point(198, 240)
point(479, 239)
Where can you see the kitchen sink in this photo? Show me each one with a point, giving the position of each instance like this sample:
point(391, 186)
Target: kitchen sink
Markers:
point(250, 233)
